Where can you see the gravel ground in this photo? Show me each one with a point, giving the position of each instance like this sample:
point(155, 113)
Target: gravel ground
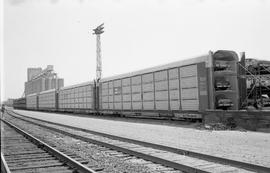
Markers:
point(251, 147)
point(100, 158)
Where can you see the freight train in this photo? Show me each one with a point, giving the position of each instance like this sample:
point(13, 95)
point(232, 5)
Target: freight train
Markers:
point(181, 89)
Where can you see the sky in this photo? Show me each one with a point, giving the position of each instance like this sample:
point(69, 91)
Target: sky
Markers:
point(138, 34)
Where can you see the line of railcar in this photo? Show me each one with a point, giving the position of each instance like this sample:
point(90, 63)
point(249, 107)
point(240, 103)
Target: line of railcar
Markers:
point(181, 89)
point(19, 103)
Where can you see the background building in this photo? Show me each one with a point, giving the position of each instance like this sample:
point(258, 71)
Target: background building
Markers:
point(31, 72)
point(39, 80)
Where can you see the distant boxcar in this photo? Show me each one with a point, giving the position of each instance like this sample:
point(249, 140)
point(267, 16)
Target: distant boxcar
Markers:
point(192, 85)
point(19, 103)
point(48, 100)
point(77, 98)
point(32, 101)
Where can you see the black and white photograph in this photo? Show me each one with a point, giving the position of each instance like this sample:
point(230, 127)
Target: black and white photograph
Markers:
point(135, 86)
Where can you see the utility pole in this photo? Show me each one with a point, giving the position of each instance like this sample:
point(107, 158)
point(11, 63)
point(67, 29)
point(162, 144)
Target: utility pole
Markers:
point(97, 32)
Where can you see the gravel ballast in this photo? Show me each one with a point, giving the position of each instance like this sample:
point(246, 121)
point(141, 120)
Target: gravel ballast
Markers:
point(99, 158)
point(251, 147)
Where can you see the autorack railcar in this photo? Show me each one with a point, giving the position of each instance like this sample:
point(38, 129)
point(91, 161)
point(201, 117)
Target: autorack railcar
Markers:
point(32, 101)
point(77, 98)
point(175, 88)
point(48, 100)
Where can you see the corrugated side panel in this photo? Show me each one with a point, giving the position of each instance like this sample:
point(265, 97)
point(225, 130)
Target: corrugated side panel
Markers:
point(188, 71)
point(105, 106)
point(161, 90)
point(110, 98)
point(162, 85)
point(148, 92)
point(89, 106)
point(127, 105)
point(80, 97)
point(47, 100)
point(111, 105)
point(88, 100)
point(117, 98)
point(103, 94)
point(136, 80)
point(148, 96)
point(161, 75)
point(174, 89)
point(189, 88)
point(104, 86)
point(147, 78)
point(110, 91)
point(117, 83)
point(190, 94)
point(161, 95)
point(136, 97)
point(126, 89)
point(148, 105)
point(117, 92)
point(190, 104)
point(148, 87)
point(137, 105)
point(31, 102)
point(174, 84)
point(174, 105)
point(126, 98)
point(173, 73)
point(62, 101)
point(189, 82)
point(117, 105)
point(126, 82)
point(162, 105)
point(110, 95)
point(110, 84)
point(136, 89)
point(88, 93)
point(174, 95)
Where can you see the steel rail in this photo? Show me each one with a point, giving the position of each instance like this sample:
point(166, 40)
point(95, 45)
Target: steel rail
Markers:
point(4, 167)
point(61, 156)
point(154, 159)
point(211, 158)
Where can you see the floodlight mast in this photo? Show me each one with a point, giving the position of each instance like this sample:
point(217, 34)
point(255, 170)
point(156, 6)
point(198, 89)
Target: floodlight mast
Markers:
point(97, 32)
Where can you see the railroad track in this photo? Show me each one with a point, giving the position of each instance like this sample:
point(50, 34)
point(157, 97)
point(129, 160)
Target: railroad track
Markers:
point(22, 152)
point(178, 159)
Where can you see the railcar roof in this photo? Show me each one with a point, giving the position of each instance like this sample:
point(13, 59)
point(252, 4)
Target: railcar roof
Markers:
point(48, 91)
point(203, 58)
point(34, 94)
point(77, 85)
point(21, 98)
